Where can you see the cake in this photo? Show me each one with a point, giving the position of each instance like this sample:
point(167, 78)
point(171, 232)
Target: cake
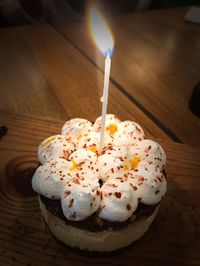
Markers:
point(95, 200)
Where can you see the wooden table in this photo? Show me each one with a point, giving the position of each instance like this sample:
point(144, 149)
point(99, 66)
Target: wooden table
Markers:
point(155, 63)
point(46, 79)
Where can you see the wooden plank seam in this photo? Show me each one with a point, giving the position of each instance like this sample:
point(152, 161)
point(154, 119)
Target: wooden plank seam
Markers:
point(167, 130)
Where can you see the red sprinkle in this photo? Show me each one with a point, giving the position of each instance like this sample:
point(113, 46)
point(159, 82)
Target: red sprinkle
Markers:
point(98, 192)
point(67, 192)
point(71, 203)
point(118, 195)
point(134, 187)
point(128, 207)
point(76, 181)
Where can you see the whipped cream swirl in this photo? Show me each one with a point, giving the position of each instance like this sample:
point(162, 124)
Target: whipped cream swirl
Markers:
point(80, 198)
point(50, 177)
point(130, 169)
point(57, 146)
point(118, 201)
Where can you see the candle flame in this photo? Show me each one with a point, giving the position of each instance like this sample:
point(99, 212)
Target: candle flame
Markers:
point(100, 32)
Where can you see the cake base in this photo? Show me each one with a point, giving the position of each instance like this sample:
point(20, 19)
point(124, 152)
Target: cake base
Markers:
point(103, 241)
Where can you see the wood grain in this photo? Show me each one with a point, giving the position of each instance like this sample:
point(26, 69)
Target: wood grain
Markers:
point(156, 60)
point(43, 75)
point(45, 80)
point(172, 240)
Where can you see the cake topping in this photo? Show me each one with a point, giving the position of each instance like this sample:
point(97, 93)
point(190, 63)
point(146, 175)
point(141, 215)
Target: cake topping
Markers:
point(50, 177)
point(111, 123)
point(80, 199)
point(118, 201)
point(150, 151)
point(89, 140)
point(129, 169)
point(128, 133)
point(115, 162)
point(148, 182)
point(112, 129)
point(83, 163)
point(57, 146)
point(75, 127)
point(135, 161)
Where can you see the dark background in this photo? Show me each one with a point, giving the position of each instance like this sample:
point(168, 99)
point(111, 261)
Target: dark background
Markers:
point(58, 11)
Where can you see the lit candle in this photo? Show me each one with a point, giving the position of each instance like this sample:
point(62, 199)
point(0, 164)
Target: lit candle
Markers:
point(105, 99)
point(103, 39)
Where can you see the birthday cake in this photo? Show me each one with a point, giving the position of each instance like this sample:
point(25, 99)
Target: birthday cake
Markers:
point(99, 200)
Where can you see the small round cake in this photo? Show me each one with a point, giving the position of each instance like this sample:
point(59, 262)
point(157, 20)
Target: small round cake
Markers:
point(95, 200)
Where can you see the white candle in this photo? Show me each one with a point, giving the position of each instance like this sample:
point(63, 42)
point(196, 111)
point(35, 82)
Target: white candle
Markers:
point(105, 99)
point(103, 38)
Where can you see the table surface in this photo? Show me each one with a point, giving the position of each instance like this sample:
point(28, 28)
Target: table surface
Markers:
point(51, 74)
point(155, 63)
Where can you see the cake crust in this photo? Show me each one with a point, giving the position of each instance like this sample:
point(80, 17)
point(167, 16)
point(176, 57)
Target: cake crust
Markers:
point(102, 241)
